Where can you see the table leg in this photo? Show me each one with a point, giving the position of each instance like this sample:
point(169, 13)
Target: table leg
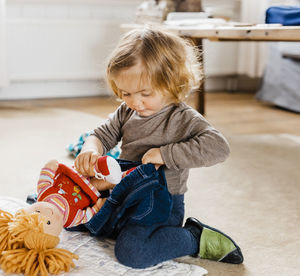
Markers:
point(200, 105)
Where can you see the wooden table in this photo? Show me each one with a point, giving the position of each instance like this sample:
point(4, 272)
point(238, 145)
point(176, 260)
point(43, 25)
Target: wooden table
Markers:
point(236, 32)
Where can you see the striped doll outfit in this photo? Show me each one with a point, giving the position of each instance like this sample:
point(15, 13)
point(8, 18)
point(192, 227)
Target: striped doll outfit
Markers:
point(70, 192)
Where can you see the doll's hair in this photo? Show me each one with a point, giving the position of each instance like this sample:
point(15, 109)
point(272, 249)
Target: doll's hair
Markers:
point(170, 63)
point(5, 219)
point(28, 249)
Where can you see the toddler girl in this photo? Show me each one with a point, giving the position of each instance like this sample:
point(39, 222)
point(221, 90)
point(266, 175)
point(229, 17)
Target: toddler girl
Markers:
point(152, 72)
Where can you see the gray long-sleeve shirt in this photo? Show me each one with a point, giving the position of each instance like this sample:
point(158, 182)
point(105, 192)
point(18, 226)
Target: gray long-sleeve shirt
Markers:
point(186, 140)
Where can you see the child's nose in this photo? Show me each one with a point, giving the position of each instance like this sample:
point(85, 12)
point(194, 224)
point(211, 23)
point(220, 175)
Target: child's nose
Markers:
point(136, 102)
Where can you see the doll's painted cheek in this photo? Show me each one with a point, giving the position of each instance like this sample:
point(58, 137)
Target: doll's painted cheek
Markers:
point(45, 211)
point(52, 228)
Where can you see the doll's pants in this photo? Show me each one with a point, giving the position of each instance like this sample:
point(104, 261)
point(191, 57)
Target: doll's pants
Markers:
point(143, 246)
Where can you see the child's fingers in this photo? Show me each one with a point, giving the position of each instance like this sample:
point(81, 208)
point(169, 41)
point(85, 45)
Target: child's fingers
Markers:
point(82, 163)
point(93, 160)
point(148, 158)
point(157, 166)
point(92, 163)
point(86, 164)
point(78, 162)
point(145, 158)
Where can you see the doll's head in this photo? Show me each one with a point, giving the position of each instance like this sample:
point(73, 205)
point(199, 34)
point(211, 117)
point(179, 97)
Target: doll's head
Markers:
point(166, 62)
point(53, 219)
point(28, 249)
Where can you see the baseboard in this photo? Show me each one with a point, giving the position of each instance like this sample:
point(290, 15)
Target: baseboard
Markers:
point(53, 89)
point(85, 88)
point(234, 83)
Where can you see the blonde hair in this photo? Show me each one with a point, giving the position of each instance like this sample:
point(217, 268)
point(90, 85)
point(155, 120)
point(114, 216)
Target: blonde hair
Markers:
point(27, 249)
point(171, 63)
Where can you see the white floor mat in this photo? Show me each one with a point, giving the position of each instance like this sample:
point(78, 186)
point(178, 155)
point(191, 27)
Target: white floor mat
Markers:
point(96, 256)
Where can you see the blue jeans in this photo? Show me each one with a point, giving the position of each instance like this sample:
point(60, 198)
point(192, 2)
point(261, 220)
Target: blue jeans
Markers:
point(143, 246)
point(141, 198)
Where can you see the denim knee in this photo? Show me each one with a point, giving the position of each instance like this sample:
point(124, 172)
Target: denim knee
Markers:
point(130, 250)
point(136, 247)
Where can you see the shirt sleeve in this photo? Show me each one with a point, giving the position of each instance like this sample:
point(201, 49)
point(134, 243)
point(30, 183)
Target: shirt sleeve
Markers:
point(109, 133)
point(204, 147)
point(46, 180)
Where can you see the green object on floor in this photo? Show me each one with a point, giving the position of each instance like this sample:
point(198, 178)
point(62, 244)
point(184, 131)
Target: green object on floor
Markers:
point(214, 245)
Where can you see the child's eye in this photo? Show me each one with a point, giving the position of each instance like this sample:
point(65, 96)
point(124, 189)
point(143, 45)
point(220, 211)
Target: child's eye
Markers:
point(48, 222)
point(125, 94)
point(37, 211)
point(147, 93)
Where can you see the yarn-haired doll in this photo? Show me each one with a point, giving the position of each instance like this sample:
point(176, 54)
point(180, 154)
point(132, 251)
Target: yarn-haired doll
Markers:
point(69, 198)
point(65, 199)
point(27, 248)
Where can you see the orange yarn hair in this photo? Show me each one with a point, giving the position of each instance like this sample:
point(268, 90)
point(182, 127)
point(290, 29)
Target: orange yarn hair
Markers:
point(5, 218)
point(27, 249)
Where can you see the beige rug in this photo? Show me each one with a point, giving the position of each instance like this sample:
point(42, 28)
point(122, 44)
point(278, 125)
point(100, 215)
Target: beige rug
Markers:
point(29, 138)
point(254, 196)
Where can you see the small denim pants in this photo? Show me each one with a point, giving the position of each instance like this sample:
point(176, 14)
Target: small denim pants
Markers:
point(143, 246)
point(141, 198)
point(145, 219)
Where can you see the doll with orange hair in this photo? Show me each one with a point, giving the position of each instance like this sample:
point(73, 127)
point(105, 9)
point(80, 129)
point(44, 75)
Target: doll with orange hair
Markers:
point(69, 198)
point(29, 238)
point(27, 247)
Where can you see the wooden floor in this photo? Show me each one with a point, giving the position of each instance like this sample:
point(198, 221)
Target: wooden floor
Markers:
point(231, 113)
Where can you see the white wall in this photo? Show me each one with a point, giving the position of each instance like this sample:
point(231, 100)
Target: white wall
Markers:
point(57, 48)
point(3, 64)
point(220, 57)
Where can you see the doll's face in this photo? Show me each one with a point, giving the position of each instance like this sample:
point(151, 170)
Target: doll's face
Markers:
point(53, 224)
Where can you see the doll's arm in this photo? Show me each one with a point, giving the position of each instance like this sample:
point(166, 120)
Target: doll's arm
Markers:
point(100, 184)
point(47, 174)
point(83, 216)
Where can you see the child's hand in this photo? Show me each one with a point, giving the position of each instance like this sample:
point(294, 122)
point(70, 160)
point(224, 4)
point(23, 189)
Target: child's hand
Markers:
point(101, 185)
point(85, 162)
point(153, 156)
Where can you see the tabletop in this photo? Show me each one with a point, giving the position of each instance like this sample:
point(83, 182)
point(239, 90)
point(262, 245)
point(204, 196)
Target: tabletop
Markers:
point(260, 32)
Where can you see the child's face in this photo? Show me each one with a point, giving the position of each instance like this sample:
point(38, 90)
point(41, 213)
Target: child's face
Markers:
point(138, 94)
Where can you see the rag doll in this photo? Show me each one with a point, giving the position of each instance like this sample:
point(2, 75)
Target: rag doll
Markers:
point(27, 248)
point(68, 197)
point(65, 199)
